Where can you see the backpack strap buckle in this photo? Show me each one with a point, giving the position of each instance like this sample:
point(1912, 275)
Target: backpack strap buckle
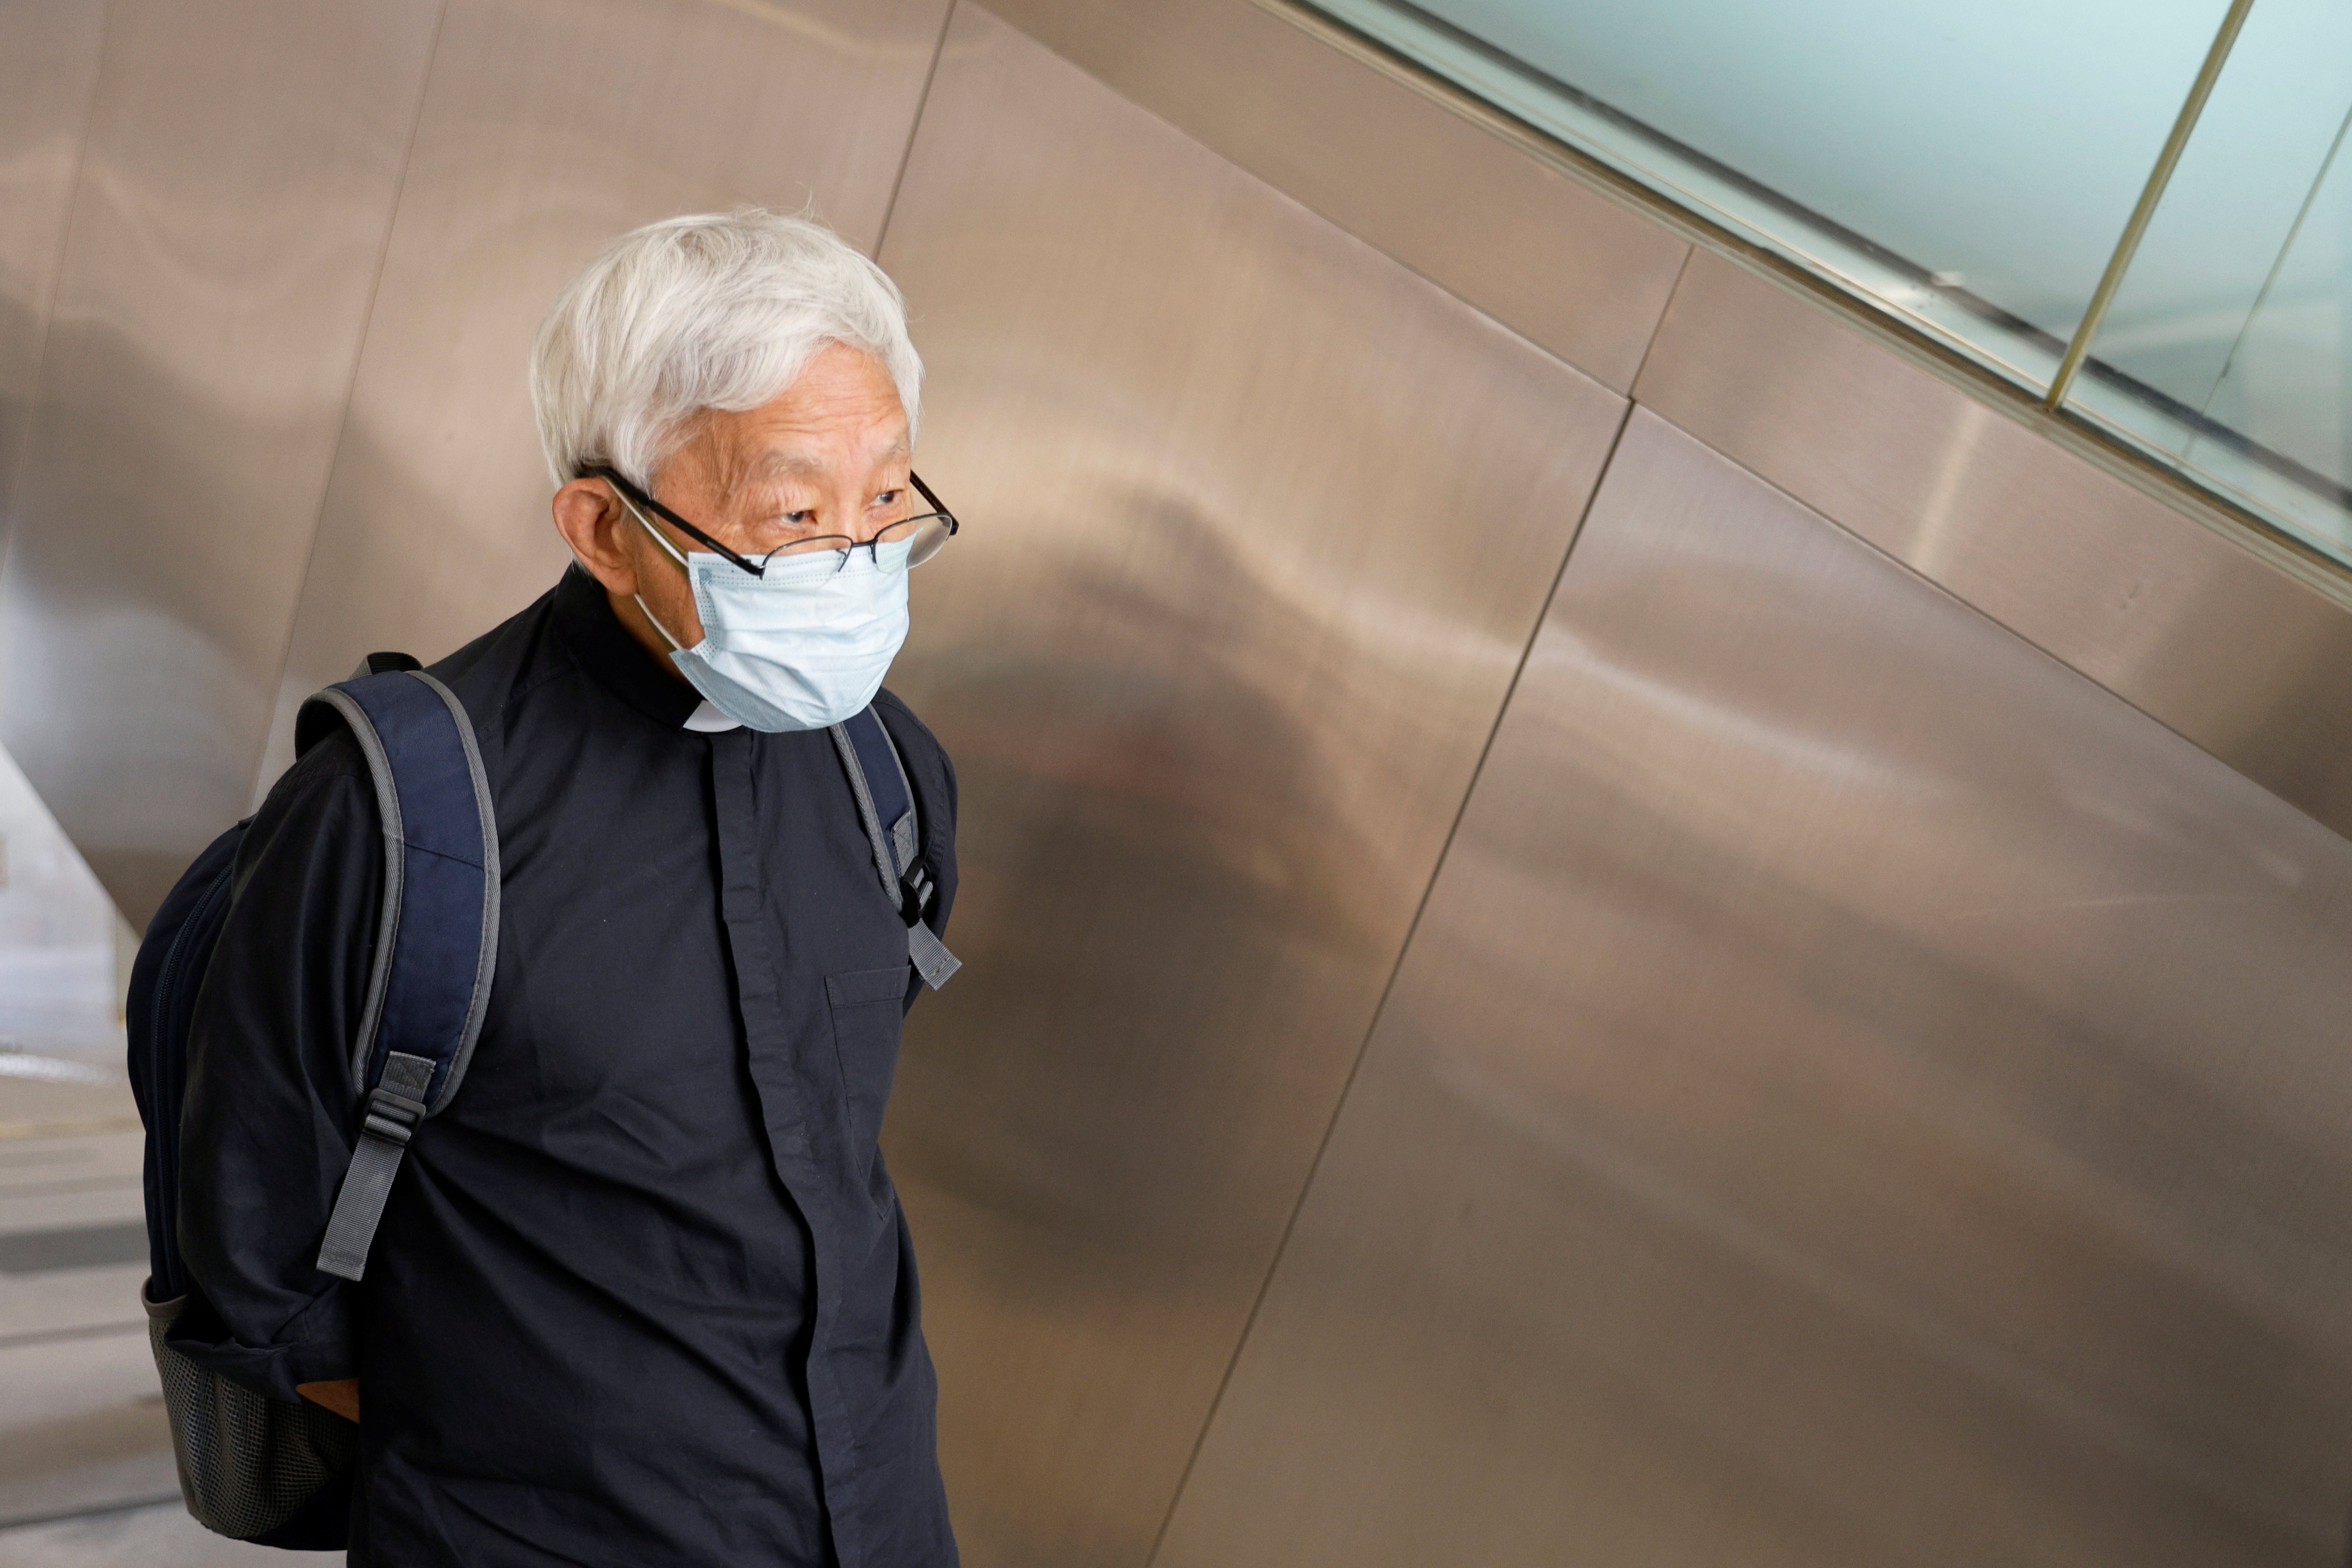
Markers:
point(392, 1116)
point(436, 937)
point(394, 1106)
point(916, 889)
point(877, 778)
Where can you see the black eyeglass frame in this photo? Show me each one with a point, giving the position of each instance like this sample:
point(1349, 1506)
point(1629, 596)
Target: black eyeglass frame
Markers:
point(612, 476)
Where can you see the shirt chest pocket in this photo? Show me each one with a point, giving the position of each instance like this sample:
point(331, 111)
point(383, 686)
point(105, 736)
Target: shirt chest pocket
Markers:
point(868, 1006)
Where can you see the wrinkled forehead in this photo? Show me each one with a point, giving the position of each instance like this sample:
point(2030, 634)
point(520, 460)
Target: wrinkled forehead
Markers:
point(788, 459)
point(841, 419)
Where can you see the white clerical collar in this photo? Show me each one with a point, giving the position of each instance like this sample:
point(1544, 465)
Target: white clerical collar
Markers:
point(709, 721)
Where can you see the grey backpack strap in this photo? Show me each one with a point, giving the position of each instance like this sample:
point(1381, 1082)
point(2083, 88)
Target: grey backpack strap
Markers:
point(436, 940)
point(885, 803)
point(394, 1106)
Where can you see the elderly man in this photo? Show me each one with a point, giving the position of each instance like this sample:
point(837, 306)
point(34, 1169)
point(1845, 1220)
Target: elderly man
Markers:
point(643, 1295)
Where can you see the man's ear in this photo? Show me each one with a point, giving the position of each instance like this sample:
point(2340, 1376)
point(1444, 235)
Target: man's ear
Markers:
point(591, 521)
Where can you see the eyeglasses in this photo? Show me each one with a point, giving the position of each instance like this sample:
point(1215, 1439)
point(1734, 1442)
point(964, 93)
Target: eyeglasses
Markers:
point(927, 532)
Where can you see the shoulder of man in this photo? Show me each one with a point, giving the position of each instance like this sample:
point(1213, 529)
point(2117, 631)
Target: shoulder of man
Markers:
point(332, 764)
point(498, 668)
point(328, 794)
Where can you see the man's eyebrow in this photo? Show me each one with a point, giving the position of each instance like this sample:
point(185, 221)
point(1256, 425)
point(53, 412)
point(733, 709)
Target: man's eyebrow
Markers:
point(775, 462)
point(779, 462)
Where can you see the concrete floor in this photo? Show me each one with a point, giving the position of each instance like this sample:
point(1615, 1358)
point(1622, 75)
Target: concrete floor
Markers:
point(87, 1477)
point(81, 1422)
point(162, 1536)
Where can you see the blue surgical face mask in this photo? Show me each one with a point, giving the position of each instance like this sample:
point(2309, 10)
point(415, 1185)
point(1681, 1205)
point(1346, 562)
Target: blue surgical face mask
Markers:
point(804, 646)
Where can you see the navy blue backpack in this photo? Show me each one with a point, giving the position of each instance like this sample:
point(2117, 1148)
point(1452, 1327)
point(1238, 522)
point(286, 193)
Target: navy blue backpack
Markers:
point(260, 1469)
point(251, 1466)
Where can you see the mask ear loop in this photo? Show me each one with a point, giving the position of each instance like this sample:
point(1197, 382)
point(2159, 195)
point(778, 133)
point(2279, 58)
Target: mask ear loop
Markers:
point(656, 620)
point(668, 549)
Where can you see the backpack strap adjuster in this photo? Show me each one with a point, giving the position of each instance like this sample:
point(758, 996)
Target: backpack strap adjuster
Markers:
point(436, 937)
point(916, 890)
point(394, 1106)
point(392, 1116)
point(877, 777)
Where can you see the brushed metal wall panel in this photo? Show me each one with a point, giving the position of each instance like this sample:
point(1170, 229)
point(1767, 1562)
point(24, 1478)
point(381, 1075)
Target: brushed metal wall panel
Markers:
point(1860, 1094)
point(2248, 660)
point(2186, 613)
point(1582, 273)
point(46, 72)
point(236, 182)
point(1258, 525)
point(551, 128)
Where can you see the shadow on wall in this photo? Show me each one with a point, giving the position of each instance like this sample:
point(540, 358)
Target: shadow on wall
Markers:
point(151, 699)
point(1139, 817)
point(1167, 905)
point(412, 559)
point(138, 677)
point(19, 342)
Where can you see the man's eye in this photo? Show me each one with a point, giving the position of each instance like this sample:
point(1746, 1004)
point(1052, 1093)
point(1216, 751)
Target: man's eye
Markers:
point(797, 518)
point(888, 497)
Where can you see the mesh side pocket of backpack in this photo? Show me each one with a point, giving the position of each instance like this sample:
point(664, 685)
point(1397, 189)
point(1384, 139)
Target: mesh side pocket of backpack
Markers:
point(247, 1462)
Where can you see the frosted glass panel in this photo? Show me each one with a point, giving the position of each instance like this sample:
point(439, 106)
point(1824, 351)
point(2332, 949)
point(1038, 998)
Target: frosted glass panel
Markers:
point(2230, 345)
point(1967, 167)
point(1970, 169)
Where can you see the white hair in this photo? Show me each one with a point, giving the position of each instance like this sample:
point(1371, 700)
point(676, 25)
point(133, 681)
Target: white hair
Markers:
point(717, 310)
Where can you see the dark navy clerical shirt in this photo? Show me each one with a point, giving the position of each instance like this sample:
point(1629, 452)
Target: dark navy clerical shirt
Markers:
point(643, 1295)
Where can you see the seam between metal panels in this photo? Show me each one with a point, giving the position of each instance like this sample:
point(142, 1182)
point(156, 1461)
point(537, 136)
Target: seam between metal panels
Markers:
point(1991, 619)
point(1388, 987)
point(2064, 428)
point(350, 392)
point(1656, 331)
point(48, 307)
point(914, 130)
point(1315, 28)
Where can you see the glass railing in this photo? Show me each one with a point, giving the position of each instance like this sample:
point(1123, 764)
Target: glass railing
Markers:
point(2161, 187)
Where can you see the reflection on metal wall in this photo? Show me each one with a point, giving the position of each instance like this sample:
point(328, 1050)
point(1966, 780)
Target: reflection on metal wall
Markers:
point(2165, 611)
point(1859, 1094)
point(47, 69)
point(234, 185)
point(550, 127)
point(233, 244)
point(1260, 523)
point(1573, 270)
